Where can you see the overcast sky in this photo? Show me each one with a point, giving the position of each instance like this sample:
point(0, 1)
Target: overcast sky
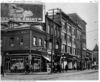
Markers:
point(88, 12)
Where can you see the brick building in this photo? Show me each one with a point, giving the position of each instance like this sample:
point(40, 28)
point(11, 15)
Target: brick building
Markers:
point(73, 38)
point(22, 44)
point(61, 39)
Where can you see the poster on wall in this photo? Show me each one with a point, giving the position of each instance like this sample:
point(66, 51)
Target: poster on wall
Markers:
point(20, 12)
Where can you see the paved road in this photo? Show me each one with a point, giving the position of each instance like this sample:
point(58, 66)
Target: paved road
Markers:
point(71, 75)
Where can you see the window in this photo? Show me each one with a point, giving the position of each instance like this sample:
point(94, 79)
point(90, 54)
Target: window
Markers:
point(40, 42)
point(1, 41)
point(56, 46)
point(63, 47)
point(73, 40)
point(70, 49)
point(70, 29)
point(65, 36)
point(45, 44)
point(63, 24)
point(50, 45)
point(48, 28)
point(51, 31)
point(78, 34)
point(73, 30)
point(70, 39)
point(58, 33)
point(21, 41)
point(73, 51)
point(34, 41)
point(12, 41)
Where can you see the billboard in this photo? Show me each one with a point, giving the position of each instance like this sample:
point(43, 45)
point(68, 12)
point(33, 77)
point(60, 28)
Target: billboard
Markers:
point(21, 12)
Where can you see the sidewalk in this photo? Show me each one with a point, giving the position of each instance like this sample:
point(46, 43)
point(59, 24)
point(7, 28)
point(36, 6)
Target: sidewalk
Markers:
point(44, 73)
point(45, 76)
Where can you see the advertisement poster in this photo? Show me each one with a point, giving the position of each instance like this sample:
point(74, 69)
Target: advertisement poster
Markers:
point(22, 12)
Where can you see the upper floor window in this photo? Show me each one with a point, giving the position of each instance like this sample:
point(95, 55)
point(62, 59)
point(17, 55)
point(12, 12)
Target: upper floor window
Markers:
point(63, 24)
point(78, 34)
point(50, 45)
point(45, 44)
point(11, 41)
point(56, 46)
point(40, 42)
point(48, 28)
point(68, 49)
point(21, 41)
point(73, 30)
point(69, 29)
point(68, 38)
point(63, 47)
point(1, 42)
point(34, 41)
point(56, 30)
point(73, 51)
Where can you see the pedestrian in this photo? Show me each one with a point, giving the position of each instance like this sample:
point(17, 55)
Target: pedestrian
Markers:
point(59, 67)
point(2, 71)
point(26, 68)
point(66, 67)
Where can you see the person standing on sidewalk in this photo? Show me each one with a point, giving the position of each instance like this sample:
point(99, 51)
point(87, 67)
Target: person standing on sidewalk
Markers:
point(2, 71)
point(66, 67)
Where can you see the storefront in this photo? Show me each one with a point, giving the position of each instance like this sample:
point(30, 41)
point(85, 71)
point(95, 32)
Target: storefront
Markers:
point(17, 62)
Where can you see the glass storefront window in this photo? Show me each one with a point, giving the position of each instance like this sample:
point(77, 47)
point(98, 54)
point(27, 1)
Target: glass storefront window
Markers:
point(17, 64)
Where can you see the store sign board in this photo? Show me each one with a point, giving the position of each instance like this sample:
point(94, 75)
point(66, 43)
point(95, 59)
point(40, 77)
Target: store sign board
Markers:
point(22, 12)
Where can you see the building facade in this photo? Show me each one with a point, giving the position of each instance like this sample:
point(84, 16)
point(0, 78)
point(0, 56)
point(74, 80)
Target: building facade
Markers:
point(22, 45)
point(60, 40)
point(88, 59)
point(95, 57)
point(73, 38)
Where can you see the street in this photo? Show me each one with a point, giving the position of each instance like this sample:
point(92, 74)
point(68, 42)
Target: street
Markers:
point(70, 75)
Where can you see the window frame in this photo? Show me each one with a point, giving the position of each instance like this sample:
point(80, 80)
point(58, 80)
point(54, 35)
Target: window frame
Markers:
point(40, 41)
point(34, 41)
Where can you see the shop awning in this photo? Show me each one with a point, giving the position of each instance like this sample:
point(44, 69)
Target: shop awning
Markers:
point(47, 58)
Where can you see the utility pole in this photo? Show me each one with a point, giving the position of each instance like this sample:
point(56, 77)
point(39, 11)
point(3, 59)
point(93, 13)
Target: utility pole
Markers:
point(52, 51)
point(81, 51)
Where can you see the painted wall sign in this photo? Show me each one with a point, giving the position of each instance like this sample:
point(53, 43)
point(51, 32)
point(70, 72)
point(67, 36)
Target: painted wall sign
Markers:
point(22, 12)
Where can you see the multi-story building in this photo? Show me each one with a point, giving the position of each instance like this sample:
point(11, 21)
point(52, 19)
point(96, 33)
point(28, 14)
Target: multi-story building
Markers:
point(61, 39)
point(95, 56)
point(53, 30)
point(88, 59)
point(23, 45)
point(81, 41)
point(73, 30)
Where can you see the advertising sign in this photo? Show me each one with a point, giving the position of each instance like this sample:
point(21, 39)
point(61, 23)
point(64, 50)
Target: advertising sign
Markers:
point(21, 12)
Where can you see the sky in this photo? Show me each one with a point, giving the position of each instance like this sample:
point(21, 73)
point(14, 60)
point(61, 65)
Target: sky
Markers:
point(88, 12)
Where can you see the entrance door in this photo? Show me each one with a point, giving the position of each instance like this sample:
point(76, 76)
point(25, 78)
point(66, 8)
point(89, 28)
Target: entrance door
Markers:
point(37, 64)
